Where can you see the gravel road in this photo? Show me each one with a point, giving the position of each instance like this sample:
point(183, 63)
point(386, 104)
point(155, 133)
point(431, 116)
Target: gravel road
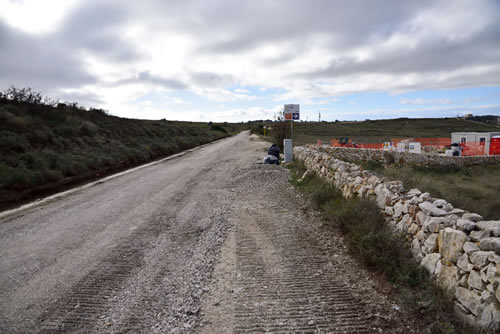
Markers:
point(208, 242)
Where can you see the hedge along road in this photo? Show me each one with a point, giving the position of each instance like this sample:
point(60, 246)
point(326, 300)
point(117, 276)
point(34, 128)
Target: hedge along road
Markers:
point(136, 253)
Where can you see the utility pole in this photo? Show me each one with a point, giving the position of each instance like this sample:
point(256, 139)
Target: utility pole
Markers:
point(319, 116)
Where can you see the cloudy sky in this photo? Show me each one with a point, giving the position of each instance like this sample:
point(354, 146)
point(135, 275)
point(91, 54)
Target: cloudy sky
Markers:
point(235, 60)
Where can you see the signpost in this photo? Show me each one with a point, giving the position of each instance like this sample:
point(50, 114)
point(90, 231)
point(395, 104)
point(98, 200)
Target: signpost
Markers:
point(291, 113)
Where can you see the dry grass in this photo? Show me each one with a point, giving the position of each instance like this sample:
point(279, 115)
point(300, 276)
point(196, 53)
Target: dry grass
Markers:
point(473, 188)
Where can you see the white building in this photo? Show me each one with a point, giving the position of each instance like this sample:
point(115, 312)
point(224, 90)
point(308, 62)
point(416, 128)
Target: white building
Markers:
point(481, 138)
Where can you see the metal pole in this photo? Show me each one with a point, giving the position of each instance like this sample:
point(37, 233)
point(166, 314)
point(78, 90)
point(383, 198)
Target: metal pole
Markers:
point(291, 129)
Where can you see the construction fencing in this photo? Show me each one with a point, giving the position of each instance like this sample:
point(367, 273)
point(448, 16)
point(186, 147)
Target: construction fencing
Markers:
point(428, 145)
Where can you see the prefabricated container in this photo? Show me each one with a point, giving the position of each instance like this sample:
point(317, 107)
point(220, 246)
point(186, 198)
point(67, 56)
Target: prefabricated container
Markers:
point(495, 145)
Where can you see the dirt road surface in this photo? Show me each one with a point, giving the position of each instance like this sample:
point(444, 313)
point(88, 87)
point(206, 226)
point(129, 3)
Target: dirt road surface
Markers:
point(208, 242)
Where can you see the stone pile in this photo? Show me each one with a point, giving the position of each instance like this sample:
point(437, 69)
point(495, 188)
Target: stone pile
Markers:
point(459, 249)
point(406, 158)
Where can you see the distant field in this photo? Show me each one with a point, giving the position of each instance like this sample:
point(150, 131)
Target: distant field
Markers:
point(383, 130)
point(475, 189)
point(41, 145)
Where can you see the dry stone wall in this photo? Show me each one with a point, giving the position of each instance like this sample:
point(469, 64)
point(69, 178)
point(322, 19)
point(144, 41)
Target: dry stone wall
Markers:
point(459, 249)
point(406, 158)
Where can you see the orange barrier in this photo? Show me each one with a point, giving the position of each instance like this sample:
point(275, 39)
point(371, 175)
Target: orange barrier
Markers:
point(473, 149)
point(371, 146)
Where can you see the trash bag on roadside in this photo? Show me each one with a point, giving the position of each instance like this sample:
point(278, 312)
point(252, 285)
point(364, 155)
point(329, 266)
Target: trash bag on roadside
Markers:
point(271, 160)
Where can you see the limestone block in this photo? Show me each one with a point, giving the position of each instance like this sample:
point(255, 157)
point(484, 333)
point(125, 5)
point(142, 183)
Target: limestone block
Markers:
point(421, 217)
point(440, 203)
point(464, 263)
point(472, 217)
point(470, 300)
point(450, 243)
point(431, 243)
point(487, 297)
point(413, 229)
point(470, 247)
point(490, 244)
point(478, 235)
point(383, 196)
point(492, 226)
point(424, 197)
point(463, 281)
point(436, 224)
point(447, 278)
point(395, 186)
point(431, 263)
point(413, 192)
point(398, 209)
point(448, 207)
point(475, 281)
point(421, 235)
point(464, 314)
point(466, 225)
point(489, 273)
point(490, 317)
point(432, 210)
point(480, 258)
point(415, 250)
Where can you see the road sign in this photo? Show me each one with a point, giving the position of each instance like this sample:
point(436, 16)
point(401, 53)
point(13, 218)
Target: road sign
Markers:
point(292, 112)
point(292, 108)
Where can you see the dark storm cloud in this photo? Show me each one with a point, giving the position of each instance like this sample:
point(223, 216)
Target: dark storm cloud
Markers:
point(245, 25)
point(97, 28)
point(39, 62)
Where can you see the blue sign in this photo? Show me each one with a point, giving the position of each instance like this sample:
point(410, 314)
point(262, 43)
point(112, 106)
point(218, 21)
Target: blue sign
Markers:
point(296, 116)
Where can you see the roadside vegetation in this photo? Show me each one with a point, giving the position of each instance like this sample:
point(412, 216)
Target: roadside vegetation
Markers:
point(44, 143)
point(473, 188)
point(372, 242)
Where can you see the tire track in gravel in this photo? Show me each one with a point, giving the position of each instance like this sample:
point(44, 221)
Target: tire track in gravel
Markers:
point(93, 299)
point(284, 278)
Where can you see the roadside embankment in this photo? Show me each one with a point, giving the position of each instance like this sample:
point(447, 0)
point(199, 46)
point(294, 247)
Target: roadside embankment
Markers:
point(45, 149)
point(460, 250)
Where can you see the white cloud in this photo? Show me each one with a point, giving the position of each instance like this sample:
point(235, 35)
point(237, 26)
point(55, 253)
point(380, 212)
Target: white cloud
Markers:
point(424, 101)
point(117, 51)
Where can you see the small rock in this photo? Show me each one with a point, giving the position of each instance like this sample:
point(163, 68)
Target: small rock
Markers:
point(475, 281)
point(490, 317)
point(431, 263)
point(472, 216)
point(431, 242)
point(478, 235)
point(470, 247)
point(440, 203)
point(490, 244)
point(470, 300)
point(480, 258)
point(431, 209)
point(466, 225)
point(464, 264)
point(450, 243)
point(491, 226)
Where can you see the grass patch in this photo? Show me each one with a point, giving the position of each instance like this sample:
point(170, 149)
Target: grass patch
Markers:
point(372, 242)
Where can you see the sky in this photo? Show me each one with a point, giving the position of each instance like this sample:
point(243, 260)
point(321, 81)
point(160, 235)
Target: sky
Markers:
point(228, 60)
